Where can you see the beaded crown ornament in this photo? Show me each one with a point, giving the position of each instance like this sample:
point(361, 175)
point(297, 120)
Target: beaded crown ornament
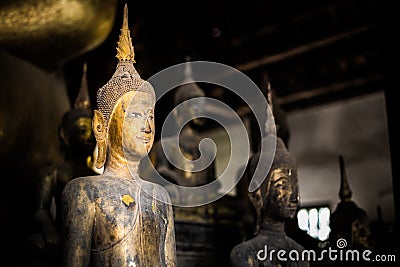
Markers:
point(125, 78)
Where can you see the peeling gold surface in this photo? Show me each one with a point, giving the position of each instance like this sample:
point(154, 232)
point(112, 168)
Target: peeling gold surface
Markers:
point(127, 199)
point(48, 32)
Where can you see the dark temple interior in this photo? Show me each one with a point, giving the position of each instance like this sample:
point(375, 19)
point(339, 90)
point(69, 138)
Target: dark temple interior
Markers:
point(329, 63)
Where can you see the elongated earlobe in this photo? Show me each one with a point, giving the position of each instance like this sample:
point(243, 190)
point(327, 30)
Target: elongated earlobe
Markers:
point(256, 199)
point(100, 132)
point(178, 118)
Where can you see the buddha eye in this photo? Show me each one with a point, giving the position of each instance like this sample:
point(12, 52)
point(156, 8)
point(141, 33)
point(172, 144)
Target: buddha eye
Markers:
point(281, 185)
point(135, 114)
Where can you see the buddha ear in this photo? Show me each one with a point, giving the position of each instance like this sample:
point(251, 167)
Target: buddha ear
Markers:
point(258, 203)
point(100, 132)
point(256, 199)
point(62, 136)
point(177, 116)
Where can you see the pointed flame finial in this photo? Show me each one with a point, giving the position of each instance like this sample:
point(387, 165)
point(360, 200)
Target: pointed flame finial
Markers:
point(188, 71)
point(269, 93)
point(266, 83)
point(125, 50)
point(345, 192)
point(82, 101)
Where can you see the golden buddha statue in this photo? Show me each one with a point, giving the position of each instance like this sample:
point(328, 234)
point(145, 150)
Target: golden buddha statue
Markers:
point(275, 202)
point(77, 144)
point(117, 218)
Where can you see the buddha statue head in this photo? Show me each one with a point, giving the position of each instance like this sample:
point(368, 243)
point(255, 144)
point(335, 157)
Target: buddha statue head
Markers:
point(188, 90)
point(75, 130)
point(123, 122)
point(277, 198)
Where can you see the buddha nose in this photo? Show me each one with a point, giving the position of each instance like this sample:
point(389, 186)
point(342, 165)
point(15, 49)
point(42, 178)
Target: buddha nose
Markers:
point(147, 126)
point(294, 196)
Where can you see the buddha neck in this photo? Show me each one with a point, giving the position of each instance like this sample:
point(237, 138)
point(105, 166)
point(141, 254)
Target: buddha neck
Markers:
point(117, 165)
point(188, 130)
point(271, 225)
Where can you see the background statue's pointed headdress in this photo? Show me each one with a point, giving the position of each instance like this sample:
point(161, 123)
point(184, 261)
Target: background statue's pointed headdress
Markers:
point(345, 192)
point(189, 88)
point(82, 101)
point(270, 125)
point(125, 77)
point(266, 89)
point(188, 72)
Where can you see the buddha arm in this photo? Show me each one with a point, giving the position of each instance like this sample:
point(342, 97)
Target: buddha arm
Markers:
point(169, 245)
point(78, 217)
point(44, 199)
point(243, 256)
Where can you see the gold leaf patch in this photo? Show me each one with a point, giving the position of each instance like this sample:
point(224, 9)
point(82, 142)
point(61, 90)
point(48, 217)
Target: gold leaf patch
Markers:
point(128, 200)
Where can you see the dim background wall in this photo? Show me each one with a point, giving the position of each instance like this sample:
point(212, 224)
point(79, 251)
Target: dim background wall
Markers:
point(357, 129)
point(32, 102)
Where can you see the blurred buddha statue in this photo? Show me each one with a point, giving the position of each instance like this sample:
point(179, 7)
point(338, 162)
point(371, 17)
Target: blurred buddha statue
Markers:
point(117, 218)
point(37, 39)
point(51, 32)
point(348, 221)
point(204, 233)
point(77, 144)
point(189, 139)
point(275, 202)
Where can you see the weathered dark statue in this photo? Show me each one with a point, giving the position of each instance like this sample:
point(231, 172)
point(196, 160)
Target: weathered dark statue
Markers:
point(348, 220)
point(275, 201)
point(280, 128)
point(116, 218)
point(77, 144)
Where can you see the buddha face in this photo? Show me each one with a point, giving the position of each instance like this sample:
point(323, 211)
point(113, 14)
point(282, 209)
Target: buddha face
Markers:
point(83, 132)
point(190, 109)
point(282, 198)
point(76, 134)
point(132, 124)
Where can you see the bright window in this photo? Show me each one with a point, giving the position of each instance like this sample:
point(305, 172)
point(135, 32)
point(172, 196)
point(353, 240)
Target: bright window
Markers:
point(315, 221)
